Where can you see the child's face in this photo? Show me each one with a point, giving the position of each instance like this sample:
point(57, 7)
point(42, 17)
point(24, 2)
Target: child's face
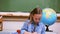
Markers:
point(36, 18)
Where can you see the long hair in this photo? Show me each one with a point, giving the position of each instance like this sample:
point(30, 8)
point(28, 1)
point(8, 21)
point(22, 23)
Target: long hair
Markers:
point(34, 11)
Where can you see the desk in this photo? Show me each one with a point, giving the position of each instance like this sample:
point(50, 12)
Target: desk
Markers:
point(1, 24)
point(51, 33)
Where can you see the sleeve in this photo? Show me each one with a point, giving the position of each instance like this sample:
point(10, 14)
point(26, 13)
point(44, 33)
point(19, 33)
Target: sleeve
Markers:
point(24, 28)
point(43, 30)
point(14, 33)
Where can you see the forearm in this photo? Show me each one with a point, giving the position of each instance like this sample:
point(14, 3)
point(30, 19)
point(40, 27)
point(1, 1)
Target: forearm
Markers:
point(27, 32)
point(34, 33)
point(30, 32)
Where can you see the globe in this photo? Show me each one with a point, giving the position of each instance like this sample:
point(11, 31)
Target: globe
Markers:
point(49, 17)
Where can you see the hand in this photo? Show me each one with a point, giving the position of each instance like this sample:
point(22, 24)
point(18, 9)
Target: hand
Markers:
point(27, 32)
point(34, 33)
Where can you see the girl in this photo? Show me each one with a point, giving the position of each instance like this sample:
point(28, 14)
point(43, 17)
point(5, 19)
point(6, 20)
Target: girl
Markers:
point(33, 25)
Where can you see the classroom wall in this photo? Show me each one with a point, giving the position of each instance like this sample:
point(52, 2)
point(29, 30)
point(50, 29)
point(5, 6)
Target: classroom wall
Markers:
point(28, 5)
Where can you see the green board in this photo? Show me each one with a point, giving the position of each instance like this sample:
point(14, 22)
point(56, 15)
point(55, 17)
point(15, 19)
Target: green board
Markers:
point(28, 5)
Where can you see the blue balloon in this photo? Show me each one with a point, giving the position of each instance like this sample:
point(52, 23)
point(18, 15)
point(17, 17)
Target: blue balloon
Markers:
point(49, 16)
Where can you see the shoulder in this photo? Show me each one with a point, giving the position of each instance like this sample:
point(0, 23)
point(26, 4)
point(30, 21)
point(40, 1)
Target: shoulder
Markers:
point(41, 24)
point(27, 22)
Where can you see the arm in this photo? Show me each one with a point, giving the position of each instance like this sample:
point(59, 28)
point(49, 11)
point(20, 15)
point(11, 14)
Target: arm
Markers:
point(24, 29)
point(34, 33)
point(25, 32)
point(43, 30)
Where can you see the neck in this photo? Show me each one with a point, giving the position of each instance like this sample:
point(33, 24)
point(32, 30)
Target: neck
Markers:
point(35, 23)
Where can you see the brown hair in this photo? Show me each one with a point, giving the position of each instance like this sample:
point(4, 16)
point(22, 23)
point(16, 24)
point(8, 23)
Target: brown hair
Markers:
point(34, 11)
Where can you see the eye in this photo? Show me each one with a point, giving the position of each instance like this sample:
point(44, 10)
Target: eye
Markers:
point(37, 18)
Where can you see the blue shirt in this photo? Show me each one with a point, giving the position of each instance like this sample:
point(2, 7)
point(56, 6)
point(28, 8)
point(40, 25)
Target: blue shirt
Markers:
point(29, 27)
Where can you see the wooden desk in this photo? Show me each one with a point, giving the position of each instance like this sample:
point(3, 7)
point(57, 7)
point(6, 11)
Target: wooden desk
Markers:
point(1, 24)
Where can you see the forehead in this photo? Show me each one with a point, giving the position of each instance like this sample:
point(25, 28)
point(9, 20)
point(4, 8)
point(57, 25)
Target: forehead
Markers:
point(37, 15)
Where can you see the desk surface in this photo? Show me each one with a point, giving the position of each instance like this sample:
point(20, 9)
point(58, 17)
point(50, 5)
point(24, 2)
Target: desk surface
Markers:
point(51, 33)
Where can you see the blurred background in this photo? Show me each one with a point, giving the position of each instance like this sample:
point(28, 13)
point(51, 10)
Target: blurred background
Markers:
point(13, 13)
